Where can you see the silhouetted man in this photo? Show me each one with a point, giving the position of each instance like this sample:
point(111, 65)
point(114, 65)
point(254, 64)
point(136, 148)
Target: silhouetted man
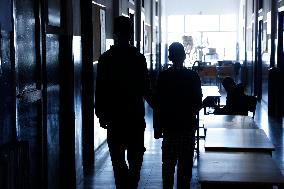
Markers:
point(122, 82)
point(179, 99)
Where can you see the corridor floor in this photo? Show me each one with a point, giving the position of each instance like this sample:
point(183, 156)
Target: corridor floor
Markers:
point(101, 177)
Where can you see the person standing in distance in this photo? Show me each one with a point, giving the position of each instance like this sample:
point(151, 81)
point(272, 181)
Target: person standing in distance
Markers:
point(178, 101)
point(122, 83)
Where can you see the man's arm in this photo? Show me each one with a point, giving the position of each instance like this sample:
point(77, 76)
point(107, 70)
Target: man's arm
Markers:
point(158, 106)
point(197, 87)
point(148, 93)
point(100, 95)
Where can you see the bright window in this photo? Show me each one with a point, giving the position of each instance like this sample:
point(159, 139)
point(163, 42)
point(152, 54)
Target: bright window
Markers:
point(208, 31)
point(201, 23)
point(174, 37)
point(176, 23)
point(228, 22)
point(223, 42)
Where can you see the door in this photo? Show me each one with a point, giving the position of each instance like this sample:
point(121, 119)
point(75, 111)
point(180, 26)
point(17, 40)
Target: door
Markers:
point(7, 71)
point(28, 86)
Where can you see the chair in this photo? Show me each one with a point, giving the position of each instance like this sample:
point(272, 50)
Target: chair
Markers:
point(199, 136)
point(210, 102)
point(209, 74)
point(251, 104)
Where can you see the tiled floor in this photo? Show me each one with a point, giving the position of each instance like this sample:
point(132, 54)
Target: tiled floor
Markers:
point(102, 176)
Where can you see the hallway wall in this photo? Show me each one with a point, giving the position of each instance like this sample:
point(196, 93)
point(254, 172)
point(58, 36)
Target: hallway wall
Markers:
point(98, 37)
point(77, 61)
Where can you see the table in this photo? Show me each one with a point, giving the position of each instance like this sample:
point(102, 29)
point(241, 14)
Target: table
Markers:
point(210, 94)
point(238, 170)
point(238, 140)
point(207, 92)
point(211, 90)
point(229, 122)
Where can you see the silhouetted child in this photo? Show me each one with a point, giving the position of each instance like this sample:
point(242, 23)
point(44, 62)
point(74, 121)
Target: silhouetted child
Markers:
point(179, 99)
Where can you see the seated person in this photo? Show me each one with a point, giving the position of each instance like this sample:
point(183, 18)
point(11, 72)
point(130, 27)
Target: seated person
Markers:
point(236, 101)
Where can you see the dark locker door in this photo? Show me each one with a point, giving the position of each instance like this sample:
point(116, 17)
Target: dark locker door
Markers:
point(45, 115)
point(7, 68)
point(28, 86)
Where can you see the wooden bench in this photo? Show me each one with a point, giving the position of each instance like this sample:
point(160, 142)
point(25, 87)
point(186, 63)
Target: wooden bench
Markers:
point(225, 170)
